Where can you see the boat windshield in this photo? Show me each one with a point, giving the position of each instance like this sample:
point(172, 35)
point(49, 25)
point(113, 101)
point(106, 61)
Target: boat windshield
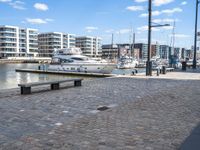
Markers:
point(66, 60)
point(79, 58)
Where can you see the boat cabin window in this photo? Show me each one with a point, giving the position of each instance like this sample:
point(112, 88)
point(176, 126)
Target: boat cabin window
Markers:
point(80, 59)
point(66, 60)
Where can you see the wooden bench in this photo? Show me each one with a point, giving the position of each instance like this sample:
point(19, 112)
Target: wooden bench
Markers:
point(55, 85)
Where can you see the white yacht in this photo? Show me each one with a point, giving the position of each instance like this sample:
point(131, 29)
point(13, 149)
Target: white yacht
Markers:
point(72, 60)
point(126, 62)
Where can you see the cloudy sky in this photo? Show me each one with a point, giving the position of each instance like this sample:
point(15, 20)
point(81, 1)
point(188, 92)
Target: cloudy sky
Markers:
point(104, 17)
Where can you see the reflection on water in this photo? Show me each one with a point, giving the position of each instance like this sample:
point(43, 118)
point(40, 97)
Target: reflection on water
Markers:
point(10, 79)
point(127, 71)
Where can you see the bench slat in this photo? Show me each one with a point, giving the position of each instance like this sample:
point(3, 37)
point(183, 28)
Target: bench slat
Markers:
point(55, 85)
point(48, 82)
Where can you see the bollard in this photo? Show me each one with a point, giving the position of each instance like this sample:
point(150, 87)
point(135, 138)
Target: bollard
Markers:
point(136, 71)
point(164, 71)
point(184, 64)
point(158, 72)
point(149, 68)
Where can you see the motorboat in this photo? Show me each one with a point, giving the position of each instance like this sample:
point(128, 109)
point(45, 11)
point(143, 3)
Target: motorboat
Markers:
point(126, 62)
point(72, 60)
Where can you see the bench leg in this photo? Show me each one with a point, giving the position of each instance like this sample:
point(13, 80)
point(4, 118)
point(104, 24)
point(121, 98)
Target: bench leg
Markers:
point(25, 90)
point(55, 86)
point(77, 83)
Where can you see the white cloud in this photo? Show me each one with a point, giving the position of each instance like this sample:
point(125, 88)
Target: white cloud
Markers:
point(5, 1)
point(142, 40)
point(180, 36)
point(154, 13)
point(143, 15)
point(171, 11)
point(142, 28)
point(184, 3)
point(17, 5)
point(38, 20)
point(49, 20)
point(41, 6)
point(167, 20)
point(161, 2)
point(140, 1)
point(153, 41)
point(110, 31)
point(135, 8)
point(145, 28)
point(90, 29)
point(124, 31)
point(167, 28)
point(166, 11)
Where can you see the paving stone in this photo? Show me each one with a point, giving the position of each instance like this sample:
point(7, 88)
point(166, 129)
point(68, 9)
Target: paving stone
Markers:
point(144, 113)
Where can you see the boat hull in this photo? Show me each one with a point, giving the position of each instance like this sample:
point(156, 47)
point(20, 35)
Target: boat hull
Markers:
point(126, 66)
point(87, 68)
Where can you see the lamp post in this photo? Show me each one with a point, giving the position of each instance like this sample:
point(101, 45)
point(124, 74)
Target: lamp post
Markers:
point(150, 26)
point(195, 37)
point(149, 63)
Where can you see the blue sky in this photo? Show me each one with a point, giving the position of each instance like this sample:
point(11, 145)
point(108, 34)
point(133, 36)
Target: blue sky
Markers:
point(104, 17)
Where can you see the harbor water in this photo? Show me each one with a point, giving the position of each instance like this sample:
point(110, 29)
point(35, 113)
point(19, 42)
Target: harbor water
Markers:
point(10, 79)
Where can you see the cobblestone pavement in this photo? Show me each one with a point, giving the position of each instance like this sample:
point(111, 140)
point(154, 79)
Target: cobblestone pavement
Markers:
point(144, 114)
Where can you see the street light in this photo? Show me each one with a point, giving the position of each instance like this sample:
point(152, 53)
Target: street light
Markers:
point(149, 63)
point(160, 25)
point(195, 37)
point(150, 26)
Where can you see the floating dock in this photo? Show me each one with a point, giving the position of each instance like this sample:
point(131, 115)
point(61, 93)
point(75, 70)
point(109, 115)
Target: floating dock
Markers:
point(65, 73)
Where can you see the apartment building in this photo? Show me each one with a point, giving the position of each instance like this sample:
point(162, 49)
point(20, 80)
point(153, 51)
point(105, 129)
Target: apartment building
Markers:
point(155, 48)
point(16, 41)
point(177, 52)
point(110, 51)
point(90, 46)
point(143, 50)
point(49, 42)
point(164, 51)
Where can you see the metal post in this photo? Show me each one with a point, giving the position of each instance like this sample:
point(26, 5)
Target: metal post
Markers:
point(195, 37)
point(148, 64)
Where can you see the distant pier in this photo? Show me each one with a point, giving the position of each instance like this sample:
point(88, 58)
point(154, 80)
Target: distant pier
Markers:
point(65, 73)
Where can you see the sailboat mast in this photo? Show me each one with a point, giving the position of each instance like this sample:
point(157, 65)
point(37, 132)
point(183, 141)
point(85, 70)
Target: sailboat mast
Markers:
point(173, 37)
point(112, 42)
point(111, 47)
point(133, 45)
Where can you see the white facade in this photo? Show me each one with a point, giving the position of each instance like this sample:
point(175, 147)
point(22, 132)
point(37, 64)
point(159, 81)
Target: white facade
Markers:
point(48, 42)
point(16, 41)
point(90, 46)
